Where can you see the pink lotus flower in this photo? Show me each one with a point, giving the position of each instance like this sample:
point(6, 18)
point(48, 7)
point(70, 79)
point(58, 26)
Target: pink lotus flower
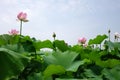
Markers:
point(13, 32)
point(82, 40)
point(22, 17)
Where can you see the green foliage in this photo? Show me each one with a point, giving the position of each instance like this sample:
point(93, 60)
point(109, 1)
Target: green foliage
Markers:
point(112, 74)
point(12, 63)
point(53, 69)
point(43, 44)
point(91, 75)
point(66, 59)
point(77, 48)
point(8, 39)
point(21, 58)
point(35, 76)
point(110, 63)
point(61, 45)
point(68, 79)
point(113, 47)
point(98, 40)
point(4, 39)
point(28, 44)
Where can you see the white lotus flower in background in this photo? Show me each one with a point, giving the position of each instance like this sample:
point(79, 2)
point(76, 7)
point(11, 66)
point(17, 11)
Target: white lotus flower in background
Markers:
point(117, 35)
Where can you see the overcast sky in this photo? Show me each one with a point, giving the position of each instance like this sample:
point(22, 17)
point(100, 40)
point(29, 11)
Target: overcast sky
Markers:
point(69, 19)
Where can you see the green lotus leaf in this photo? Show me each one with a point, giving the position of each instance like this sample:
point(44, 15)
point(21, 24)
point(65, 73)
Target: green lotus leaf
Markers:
point(11, 63)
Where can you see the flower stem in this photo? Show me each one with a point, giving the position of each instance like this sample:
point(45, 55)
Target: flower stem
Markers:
point(54, 36)
point(109, 34)
point(20, 27)
point(19, 41)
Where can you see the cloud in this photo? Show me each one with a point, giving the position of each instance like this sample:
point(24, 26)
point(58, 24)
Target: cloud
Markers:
point(66, 5)
point(8, 2)
point(6, 19)
point(65, 17)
